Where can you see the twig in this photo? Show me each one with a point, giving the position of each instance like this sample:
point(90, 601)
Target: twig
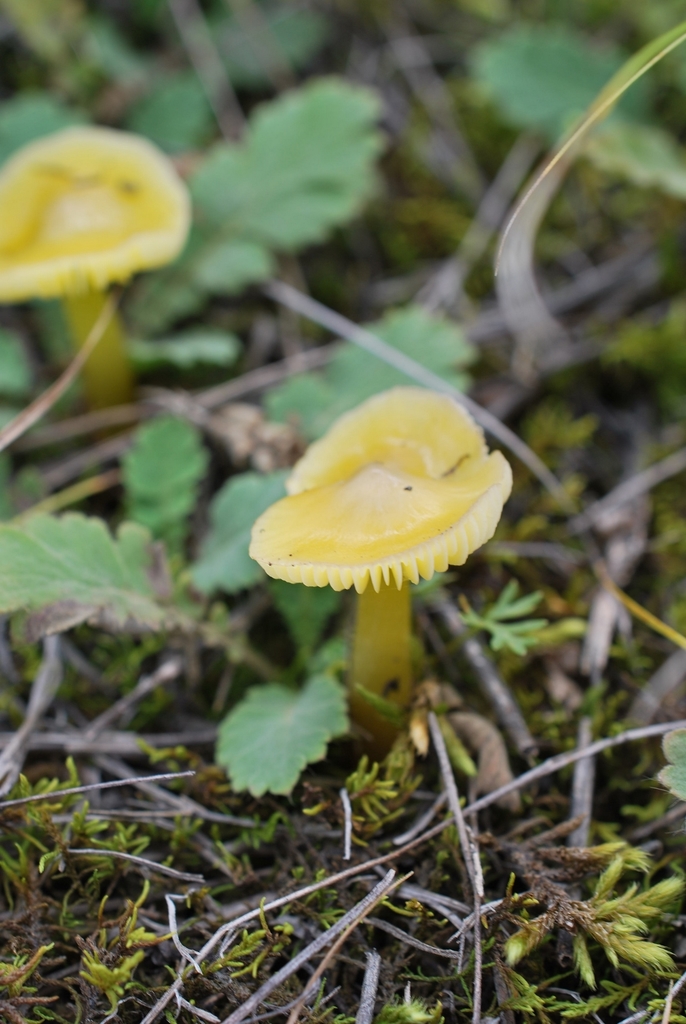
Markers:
point(183, 876)
point(469, 853)
point(285, 294)
point(306, 955)
point(146, 684)
point(443, 288)
point(630, 489)
point(661, 684)
point(348, 827)
point(43, 690)
point(365, 1011)
point(38, 408)
point(71, 495)
point(7, 666)
point(494, 686)
point(422, 822)
point(583, 785)
point(208, 65)
point(674, 989)
point(184, 804)
point(409, 940)
point(536, 549)
point(135, 781)
point(117, 743)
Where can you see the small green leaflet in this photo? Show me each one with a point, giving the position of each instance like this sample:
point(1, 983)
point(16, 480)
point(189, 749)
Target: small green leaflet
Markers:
point(305, 609)
point(315, 400)
point(644, 154)
point(224, 562)
point(161, 473)
point(175, 114)
point(545, 76)
point(203, 346)
point(496, 620)
point(69, 569)
point(674, 775)
point(306, 165)
point(295, 34)
point(15, 372)
point(267, 740)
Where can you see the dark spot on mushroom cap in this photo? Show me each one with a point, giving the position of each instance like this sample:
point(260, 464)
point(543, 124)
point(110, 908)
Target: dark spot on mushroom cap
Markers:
point(408, 488)
point(392, 686)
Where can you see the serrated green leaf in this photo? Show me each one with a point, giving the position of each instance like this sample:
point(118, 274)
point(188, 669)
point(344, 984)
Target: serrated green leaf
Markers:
point(70, 569)
point(296, 34)
point(267, 740)
point(305, 609)
point(315, 400)
point(674, 775)
point(205, 346)
point(15, 372)
point(175, 114)
point(161, 473)
point(30, 115)
point(224, 562)
point(643, 154)
point(545, 76)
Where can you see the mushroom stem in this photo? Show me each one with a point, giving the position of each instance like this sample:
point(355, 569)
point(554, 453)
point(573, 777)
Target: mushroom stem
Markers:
point(107, 376)
point(381, 660)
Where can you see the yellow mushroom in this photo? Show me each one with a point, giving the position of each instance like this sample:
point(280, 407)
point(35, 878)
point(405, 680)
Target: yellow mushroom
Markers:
point(80, 210)
point(398, 489)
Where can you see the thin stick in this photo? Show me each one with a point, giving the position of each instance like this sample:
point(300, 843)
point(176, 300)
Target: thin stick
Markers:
point(409, 940)
point(638, 610)
point(422, 822)
point(348, 828)
point(494, 686)
point(146, 684)
point(135, 781)
point(674, 989)
point(365, 1012)
point(630, 489)
point(162, 869)
point(288, 296)
point(71, 495)
point(208, 65)
point(306, 955)
point(43, 690)
point(469, 853)
point(38, 408)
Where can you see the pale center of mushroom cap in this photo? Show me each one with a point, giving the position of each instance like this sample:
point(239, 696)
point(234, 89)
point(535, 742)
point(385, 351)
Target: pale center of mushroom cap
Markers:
point(377, 513)
point(93, 210)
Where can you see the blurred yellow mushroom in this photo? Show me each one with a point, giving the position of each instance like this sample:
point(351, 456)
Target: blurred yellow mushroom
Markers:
point(398, 489)
point(80, 210)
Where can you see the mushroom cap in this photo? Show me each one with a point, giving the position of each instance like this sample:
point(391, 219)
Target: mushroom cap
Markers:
point(83, 208)
point(401, 487)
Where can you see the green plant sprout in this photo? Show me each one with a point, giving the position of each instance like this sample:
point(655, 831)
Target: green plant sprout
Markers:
point(397, 489)
point(497, 620)
point(82, 209)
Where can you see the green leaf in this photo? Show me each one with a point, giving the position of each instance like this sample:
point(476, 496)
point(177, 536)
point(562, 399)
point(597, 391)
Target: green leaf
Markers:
point(305, 609)
point(175, 114)
point(296, 34)
point(305, 165)
point(28, 116)
point(161, 473)
point(201, 346)
point(267, 740)
point(15, 371)
point(224, 562)
point(386, 708)
point(109, 51)
point(641, 153)
point(515, 636)
point(545, 76)
point(674, 775)
point(70, 569)
point(315, 400)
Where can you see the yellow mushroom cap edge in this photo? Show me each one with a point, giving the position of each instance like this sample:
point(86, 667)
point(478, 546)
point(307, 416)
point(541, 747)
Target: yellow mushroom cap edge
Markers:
point(421, 441)
point(154, 226)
